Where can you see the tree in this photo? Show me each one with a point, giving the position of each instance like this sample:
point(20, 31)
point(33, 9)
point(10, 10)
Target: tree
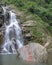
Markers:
point(48, 1)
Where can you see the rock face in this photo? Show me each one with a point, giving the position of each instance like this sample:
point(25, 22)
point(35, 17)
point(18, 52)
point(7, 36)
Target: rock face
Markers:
point(1, 24)
point(1, 21)
point(28, 23)
point(1, 39)
point(2, 29)
point(33, 52)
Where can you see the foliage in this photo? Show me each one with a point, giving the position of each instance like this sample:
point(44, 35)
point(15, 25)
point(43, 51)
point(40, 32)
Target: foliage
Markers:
point(41, 11)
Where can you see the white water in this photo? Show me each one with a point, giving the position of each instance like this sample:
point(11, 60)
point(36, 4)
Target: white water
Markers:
point(13, 30)
point(4, 9)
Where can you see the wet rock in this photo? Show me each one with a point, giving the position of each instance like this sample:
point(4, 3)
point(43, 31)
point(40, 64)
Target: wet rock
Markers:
point(1, 39)
point(1, 24)
point(33, 52)
point(2, 31)
point(24, 30)
point(0, 9)
point(28, 36)
point(1, 21)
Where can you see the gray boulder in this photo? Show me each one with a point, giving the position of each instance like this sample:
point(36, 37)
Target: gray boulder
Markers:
point(33, 52)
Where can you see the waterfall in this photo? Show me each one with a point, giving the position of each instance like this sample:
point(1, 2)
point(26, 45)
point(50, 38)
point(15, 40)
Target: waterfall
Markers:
point(13, 34)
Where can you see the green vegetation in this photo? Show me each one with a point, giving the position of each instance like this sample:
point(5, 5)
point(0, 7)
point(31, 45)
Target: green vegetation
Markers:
point(40, 11)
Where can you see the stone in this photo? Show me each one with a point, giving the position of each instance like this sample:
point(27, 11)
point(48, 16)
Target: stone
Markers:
point(1, 39)
point(29, 23)
point(28, 35)
point(33, 52)
point(1, 21)
point(24, 30)
point(0, 9)
point(40, 52)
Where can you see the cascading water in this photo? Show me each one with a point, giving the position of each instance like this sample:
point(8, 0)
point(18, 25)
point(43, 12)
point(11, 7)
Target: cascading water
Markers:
point(13, 31)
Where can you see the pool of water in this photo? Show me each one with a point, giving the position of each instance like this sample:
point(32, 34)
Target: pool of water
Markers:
point(12, 59)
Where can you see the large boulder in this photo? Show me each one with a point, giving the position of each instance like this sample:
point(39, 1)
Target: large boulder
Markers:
point(33, 52)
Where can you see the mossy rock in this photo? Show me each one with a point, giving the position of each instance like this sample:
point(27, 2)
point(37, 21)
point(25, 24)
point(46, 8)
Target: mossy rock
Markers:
point(1, 39)
point(1, 19)
point(0, 9)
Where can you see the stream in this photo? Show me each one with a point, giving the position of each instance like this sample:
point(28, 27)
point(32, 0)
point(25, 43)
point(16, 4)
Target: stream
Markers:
point(12, 59)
